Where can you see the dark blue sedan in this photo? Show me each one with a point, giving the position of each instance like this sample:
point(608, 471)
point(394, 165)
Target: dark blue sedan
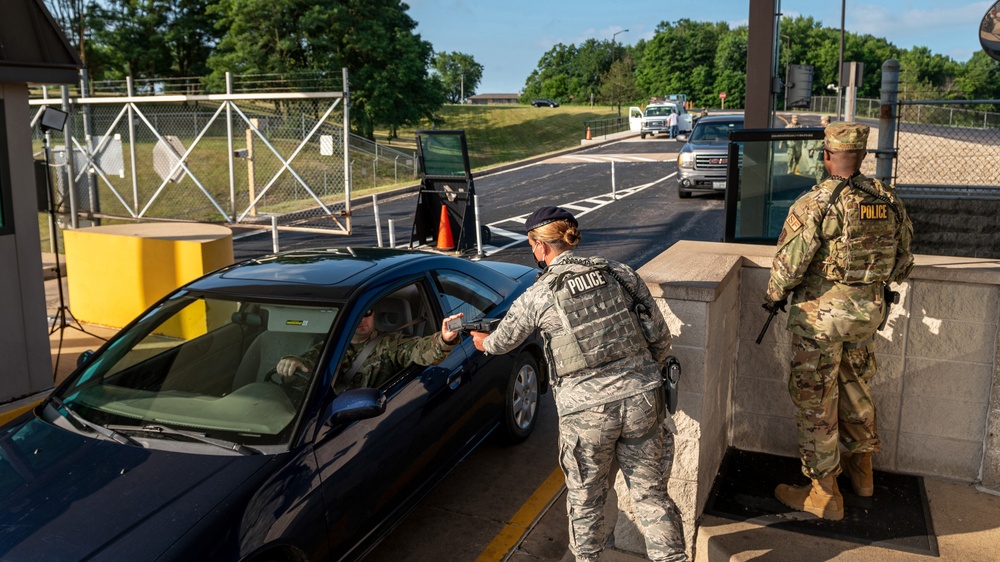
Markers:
point(176, 441)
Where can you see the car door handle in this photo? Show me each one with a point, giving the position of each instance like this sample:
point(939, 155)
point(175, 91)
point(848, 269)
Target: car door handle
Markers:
point(455, 378)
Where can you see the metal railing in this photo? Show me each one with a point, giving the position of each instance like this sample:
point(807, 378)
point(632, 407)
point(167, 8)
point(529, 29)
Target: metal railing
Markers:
point(603, 127)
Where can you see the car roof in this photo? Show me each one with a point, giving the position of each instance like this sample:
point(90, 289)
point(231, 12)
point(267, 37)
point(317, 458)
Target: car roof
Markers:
point(328, 274)
point(716, 118)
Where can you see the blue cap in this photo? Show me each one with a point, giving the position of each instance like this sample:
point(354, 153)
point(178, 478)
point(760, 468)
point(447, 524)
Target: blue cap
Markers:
point(546, 215)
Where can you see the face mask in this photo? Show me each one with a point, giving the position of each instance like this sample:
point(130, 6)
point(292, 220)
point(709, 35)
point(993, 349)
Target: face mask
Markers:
point(541, 263)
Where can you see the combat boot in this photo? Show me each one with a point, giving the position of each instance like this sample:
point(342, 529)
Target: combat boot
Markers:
point(821, 498)
point(858, 467)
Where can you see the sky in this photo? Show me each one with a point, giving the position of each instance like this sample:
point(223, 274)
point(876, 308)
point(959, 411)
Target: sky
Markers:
point(509, 37)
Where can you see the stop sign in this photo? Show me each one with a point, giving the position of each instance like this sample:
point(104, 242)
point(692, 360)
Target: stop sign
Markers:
point(722, 95)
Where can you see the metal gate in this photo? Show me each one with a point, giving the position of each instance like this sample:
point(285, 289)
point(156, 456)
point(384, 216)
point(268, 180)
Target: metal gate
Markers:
point(234, 158)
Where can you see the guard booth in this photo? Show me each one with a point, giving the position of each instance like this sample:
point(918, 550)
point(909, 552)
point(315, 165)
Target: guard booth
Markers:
point(761, 185)
point(447, 215)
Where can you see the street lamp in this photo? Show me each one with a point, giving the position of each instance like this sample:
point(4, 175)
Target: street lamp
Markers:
point(613, 35)
point(788, 60)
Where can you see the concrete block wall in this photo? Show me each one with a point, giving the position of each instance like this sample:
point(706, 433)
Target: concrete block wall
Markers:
point(937, 389)
point(937, 362)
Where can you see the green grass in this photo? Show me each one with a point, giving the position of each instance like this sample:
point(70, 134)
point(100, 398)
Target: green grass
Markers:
point(506, 133)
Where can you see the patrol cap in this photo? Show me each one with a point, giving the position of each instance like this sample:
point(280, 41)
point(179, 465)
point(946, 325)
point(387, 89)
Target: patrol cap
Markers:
point(841, 136)
point(546, 215)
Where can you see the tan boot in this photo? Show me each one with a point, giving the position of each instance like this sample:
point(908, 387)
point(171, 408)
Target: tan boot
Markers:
point(821, 498)
point(858, 467)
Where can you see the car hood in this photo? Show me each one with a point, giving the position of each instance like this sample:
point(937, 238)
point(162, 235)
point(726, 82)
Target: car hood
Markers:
point(64, 496)
point(706, 145)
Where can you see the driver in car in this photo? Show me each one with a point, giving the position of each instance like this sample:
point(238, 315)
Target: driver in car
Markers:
point(373, 357)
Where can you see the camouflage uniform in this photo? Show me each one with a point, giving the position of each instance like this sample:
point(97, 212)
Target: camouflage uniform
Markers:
point(814, 152)
point(392, 353)
point(610, 411)
point(835, 309)
point(794, 151)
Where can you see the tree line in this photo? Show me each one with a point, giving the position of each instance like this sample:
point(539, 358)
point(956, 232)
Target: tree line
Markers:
point(396, 78)
point(702, 59)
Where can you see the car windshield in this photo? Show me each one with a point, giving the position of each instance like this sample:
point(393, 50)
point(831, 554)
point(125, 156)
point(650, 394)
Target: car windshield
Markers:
point(716, 130)
point(203, 365)
point(658, 111)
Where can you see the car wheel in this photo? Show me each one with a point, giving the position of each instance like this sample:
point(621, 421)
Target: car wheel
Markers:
point(683, 194)
point(642, 135)
point(521, 402)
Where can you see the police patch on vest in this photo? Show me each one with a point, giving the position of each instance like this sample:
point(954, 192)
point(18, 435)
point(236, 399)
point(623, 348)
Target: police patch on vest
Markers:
point(874, 211)
point(585, 282)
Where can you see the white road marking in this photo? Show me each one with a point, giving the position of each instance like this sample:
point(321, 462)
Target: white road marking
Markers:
point(580, 206)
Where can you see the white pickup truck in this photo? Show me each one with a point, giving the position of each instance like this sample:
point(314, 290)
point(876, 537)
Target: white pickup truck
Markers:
point(653, 121)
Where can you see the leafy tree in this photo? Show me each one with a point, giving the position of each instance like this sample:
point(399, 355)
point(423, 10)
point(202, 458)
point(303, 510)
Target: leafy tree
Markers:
point(571, 73)
point(460, 75)
point(374, 39)
point(132, 34)
point(71, 15)
point(673, 57)
point(190, 36)
point(979, 79)
point(618, 84)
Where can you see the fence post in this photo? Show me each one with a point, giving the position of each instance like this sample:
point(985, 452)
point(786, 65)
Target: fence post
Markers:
point(131, 145)
point(70, 168)
point(886, 152)
point(93, 202)
point(229, 145)
point(347, 150)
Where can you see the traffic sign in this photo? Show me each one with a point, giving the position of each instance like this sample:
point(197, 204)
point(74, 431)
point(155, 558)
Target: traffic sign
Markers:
point(722, 95)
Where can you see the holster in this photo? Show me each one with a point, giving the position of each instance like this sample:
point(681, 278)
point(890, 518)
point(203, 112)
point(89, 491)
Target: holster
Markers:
point(671, 375)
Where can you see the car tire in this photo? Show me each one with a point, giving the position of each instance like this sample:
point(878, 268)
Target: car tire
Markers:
point(521, 402)
point(642, 136)
point(683, 194)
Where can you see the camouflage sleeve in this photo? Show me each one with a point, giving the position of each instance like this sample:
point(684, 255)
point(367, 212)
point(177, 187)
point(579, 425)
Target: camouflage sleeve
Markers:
point(426, 351)
point(904, 236)
point(519, 322)
point(660, 349)
point(798, 242)
point(311, 355)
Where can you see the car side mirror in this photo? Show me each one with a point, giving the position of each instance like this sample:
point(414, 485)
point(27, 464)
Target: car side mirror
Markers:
point(356, 404)
point(84, 358)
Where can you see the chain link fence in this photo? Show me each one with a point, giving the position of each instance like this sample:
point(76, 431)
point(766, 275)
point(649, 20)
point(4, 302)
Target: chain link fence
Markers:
point(948, 149)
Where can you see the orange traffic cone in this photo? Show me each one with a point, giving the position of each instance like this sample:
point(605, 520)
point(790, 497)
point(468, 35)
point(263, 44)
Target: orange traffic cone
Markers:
point(445, 241)
point(588, 134)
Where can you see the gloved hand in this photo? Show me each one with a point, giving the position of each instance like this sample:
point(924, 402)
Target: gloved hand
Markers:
point(774, 306)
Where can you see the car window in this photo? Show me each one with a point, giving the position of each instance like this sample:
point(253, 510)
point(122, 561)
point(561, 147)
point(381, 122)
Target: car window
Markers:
point(718, 130)
point(399, 321)
point(202, 364)
point(461, 293)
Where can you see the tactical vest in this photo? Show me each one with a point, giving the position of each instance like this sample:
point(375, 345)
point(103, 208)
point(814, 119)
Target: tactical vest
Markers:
point(865, 252)
point(599, 328)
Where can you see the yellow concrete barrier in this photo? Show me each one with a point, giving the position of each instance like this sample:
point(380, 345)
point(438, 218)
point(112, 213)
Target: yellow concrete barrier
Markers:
point(115, 272)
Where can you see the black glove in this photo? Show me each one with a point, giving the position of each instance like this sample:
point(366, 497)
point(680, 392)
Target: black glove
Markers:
point(774, 306)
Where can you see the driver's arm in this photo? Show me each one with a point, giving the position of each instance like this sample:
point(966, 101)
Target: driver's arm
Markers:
point(288, 364)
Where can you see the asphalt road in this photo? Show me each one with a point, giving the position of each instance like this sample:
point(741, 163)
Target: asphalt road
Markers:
point(495, 495)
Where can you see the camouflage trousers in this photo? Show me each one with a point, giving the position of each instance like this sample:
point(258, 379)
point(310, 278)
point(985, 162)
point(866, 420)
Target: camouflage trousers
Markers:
point(829, 387)
point(632, 431)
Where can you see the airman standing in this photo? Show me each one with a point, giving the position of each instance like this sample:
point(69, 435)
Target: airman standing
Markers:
point(840, 246)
